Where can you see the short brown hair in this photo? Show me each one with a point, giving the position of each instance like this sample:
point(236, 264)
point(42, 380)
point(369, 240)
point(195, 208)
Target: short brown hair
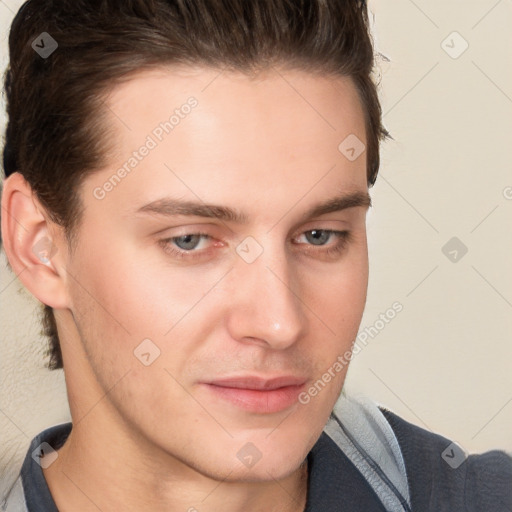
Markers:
point(55, 134)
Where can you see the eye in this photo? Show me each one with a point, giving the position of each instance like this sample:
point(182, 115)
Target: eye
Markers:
point(189, 241)
point(320, 237)
point(185, 246)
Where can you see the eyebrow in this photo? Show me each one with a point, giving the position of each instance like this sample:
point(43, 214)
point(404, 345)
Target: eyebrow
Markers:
point(170, 207)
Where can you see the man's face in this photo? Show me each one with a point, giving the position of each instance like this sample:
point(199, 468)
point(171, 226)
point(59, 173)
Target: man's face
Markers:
point(191, 339)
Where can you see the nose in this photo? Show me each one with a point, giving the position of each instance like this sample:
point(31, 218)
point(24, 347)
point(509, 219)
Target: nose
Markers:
point(266, 306)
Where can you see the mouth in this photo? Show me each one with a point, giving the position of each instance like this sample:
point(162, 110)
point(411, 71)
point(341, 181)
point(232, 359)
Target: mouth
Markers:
point(256, 394)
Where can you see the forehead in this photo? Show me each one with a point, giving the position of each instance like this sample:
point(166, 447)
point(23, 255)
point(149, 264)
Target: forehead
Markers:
point(259, 106)
point(212, 133)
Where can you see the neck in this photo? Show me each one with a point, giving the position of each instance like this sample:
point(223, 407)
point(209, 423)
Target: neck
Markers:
point(98, 468)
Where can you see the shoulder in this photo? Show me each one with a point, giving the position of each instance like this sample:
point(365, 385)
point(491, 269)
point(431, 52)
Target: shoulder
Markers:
point(442, 477)
point(30, 491)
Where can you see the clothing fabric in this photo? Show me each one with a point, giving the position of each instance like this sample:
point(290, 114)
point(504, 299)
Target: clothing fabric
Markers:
point(366, 459)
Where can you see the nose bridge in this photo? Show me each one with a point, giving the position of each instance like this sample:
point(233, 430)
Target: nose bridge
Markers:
point(266, 306)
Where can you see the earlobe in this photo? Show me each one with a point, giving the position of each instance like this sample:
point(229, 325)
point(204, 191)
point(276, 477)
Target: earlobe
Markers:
point(34, 254)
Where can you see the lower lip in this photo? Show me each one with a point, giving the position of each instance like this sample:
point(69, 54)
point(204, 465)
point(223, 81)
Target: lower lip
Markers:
point(259, 401)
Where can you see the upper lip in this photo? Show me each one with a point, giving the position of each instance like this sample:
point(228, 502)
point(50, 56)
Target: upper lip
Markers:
point(258, 383)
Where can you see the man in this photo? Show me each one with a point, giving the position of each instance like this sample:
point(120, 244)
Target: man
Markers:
point(186, 191)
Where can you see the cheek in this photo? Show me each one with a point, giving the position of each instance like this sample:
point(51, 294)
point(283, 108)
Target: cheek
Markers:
point(354, 277)
point(340, 306)
point(339, 293)
point(337, 299)
point(136, 289)
point(113, 302)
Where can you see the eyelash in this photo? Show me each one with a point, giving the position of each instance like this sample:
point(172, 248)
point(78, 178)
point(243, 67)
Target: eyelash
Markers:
point(343, 236)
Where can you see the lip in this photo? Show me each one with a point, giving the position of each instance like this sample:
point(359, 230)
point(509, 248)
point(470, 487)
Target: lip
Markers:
point(257, 394)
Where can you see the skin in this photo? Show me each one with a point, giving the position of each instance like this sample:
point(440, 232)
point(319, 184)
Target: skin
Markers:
point(153, 437)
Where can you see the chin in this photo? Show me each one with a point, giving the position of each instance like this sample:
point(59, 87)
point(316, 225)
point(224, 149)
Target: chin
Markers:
point(247, 463)
point(277, 461)
point(279, 470)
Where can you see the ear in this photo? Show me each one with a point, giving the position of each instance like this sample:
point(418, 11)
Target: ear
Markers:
point(35, 247)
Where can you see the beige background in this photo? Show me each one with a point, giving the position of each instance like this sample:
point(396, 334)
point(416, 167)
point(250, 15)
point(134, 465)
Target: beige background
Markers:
point(444, 361)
